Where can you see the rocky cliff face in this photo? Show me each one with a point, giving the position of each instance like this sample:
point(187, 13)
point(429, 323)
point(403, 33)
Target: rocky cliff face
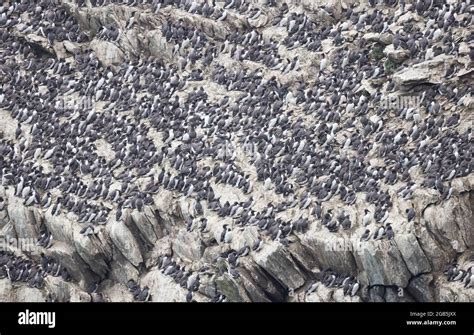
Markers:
point(241, 152)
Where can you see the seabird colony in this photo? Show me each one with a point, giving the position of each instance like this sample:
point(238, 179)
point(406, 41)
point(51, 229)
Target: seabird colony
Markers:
point(234, 125)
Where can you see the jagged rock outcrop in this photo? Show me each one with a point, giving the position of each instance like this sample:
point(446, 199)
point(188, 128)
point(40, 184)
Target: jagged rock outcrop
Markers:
point(428, 72)
point(107, 53)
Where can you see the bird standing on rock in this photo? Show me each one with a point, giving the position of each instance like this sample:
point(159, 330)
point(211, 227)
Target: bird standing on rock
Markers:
point(410, 213)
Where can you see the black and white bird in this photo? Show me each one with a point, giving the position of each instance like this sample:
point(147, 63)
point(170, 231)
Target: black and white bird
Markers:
point(365, 236)
point(410, 213)
point(257, 246)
